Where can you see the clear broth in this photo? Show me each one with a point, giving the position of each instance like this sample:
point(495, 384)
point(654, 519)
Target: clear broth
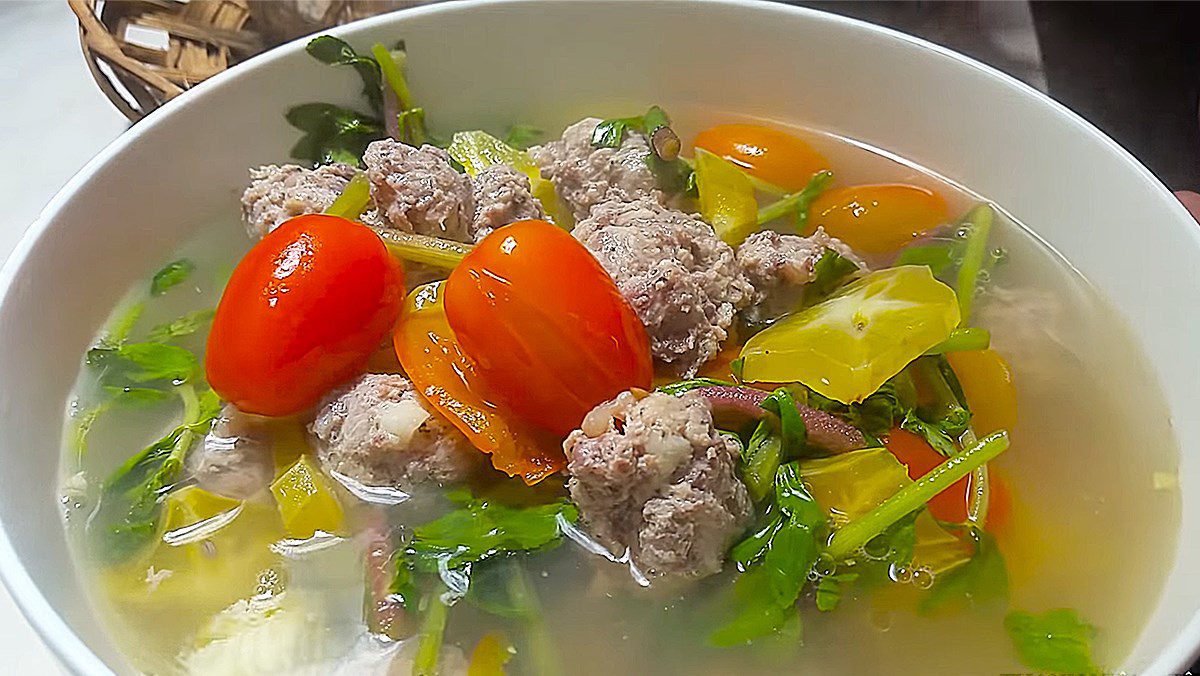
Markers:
point(1092, 470)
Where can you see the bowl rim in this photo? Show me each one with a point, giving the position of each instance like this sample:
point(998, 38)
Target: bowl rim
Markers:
point(70, 649)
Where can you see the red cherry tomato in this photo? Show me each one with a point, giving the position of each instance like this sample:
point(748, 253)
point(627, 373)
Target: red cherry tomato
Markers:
point(919, 457)
point(447, 379)
point(771, 155)
point(545, 325)
point(304, 310)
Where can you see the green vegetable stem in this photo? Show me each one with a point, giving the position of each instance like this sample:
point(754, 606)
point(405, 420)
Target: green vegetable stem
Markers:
point(797, 202)
point(979, 226)
point(855, 534)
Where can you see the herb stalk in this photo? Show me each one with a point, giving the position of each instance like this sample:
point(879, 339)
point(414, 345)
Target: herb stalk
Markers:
point(979, 225)
point(857, 533)
point(432, 251)
point(797, 202)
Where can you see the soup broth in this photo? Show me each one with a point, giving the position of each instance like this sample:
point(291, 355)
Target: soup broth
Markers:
point(1091, 471)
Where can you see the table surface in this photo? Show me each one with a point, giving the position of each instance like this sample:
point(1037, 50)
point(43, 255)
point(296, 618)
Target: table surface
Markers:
point(1147, 66)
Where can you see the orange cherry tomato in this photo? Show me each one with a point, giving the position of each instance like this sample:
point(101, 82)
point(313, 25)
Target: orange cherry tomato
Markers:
point(877, 219)
point(987, 383)
point(546, 326)
point(771, 155)
point(447, 379)
point(919, 457)
point(302, 313)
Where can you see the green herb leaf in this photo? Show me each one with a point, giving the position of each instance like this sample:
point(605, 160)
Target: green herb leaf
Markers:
point(672, 176)
point(521, 136)
point(830, 588)
point(332, 133)
point(127, 518)
point(934, 435)
point(403, 585)
point(501, 587)
point(483, 529)
point(136, 396)
point(830, 272)
point(137, 363)
point(610, 133)
point(335, 52)
point(981, 580)
point(761, 459)
point(1057, 641)
point(765, 595)
point(179, 327)
point(876, 414)
point(937, 257)
point(944, 403)
point(170, 276)
point(752, 547)
point(792, 431)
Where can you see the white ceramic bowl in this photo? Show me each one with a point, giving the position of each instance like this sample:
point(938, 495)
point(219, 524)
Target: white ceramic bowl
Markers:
point(545, 63)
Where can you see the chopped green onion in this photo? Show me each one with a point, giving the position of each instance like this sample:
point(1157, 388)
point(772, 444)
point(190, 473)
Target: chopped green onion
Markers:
point(432, 251)
point(797, 202)
point(963, 340)
point(857, 533)
point(979, 225)
point(354, 198)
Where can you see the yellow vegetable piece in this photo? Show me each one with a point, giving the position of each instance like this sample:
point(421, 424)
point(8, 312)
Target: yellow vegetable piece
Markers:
point(478, 150)
point(191, 505)
point(490, 655)
point(306, 502)
point(726, 197)
point(852, 484)
point(847, 346)
point(987, 383)
point(218, 549)
point(938, 550)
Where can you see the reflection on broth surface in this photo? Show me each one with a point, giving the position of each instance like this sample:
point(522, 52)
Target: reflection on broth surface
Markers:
point(278, 584)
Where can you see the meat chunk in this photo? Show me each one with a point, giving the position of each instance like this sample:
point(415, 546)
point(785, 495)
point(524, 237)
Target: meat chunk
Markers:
point(585, 176)
point(417, 190)
point(780, 266)
point(502, 196)
point(236, 458)
point(377, 433)
point(654, 477)
point(680, 278)
point(277, 193)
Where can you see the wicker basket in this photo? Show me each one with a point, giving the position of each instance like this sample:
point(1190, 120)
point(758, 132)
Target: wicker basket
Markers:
point(146, 52)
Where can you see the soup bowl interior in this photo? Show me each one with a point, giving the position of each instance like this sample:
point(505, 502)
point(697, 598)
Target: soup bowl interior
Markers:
point(489, 64)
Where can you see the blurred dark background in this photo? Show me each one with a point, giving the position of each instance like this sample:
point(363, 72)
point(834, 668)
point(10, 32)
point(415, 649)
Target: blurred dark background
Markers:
point(1130, 68)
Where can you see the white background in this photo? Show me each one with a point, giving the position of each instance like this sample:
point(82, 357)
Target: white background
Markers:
point(53, 119)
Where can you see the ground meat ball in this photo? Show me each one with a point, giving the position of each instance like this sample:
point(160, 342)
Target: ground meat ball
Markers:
point(377, 432)
point(654, 477)
point(502, 196)
point(236, 458)
point(584, 175)
point(417, 190)
point(278, 193)
point(779, 266)
point(679, 276)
